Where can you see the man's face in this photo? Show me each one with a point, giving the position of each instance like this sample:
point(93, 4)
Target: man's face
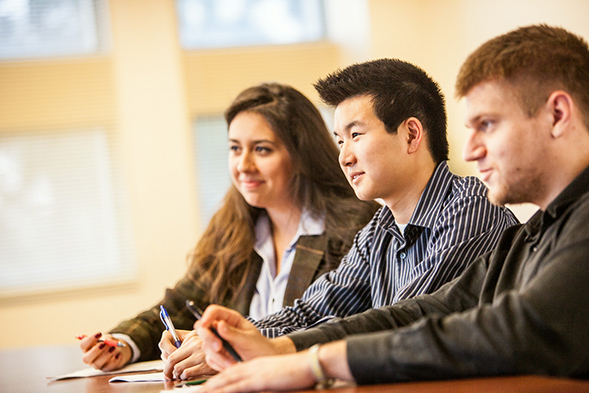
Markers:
point(508, 146)
point(372, 159)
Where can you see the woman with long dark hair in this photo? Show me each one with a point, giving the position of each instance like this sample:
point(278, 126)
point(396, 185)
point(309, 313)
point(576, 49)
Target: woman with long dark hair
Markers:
point(289, 216)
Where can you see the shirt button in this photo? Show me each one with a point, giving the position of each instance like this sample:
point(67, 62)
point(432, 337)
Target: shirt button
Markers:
point(535, 248)
point(402, 255)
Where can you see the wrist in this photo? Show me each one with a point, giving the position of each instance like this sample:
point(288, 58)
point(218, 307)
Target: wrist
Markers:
point(283, 345)
point(317, 369)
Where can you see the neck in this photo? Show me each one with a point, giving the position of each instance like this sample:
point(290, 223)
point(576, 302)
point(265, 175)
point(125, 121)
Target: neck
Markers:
point(559, 183)
point(405, 200)
point(284, 220)
point(284, 223)
point(562, 165)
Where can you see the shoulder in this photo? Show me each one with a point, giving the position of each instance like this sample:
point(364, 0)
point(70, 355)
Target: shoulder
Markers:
point(381, 220)
point(573, 224)
point(448, 194)
point(471, 194)
point(468, 186)
point(466, 203)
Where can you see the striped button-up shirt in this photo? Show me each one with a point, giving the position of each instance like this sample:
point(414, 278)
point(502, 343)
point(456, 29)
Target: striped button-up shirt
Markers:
point(452, 224)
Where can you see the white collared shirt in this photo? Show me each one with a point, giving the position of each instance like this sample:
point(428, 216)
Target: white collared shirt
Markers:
point(270, 288)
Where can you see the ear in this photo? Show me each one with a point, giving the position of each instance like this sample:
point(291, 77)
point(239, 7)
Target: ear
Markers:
point(414, 134)
point(560, 106)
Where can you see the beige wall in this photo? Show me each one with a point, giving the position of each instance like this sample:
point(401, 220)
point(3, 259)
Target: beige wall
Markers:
point(147, 90)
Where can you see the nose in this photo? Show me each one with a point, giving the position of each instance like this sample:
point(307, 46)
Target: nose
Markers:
point(474, 149)
point(246, 162)
point(346, 155)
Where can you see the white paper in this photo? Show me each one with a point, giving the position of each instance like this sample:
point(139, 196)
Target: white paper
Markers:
point(154, 365)
point(150, 377)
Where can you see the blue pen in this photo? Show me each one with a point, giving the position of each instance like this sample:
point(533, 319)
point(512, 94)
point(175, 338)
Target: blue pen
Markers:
point(169, 326)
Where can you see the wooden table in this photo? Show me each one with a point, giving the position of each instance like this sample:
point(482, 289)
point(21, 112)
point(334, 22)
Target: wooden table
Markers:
point(25, 370)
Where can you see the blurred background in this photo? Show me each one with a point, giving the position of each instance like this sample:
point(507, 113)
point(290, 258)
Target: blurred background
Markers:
point(112, 141)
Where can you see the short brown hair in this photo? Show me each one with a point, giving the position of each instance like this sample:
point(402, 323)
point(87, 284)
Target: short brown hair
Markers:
point(535, 60)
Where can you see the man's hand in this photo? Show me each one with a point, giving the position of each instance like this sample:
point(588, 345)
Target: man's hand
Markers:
point(243, 336)
point(286, 372)
point(266, 373)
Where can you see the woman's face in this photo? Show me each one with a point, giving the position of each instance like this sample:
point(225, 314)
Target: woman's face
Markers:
point(259, 163)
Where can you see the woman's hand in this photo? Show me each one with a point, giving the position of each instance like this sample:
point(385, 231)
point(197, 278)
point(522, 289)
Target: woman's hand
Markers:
point(102, 356)
point(166, 344)
point(186, 362)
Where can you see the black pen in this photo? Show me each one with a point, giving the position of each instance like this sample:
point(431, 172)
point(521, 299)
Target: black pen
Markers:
point(197, 312)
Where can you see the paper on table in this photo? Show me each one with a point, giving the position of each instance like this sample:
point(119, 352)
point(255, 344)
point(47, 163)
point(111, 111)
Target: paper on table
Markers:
point(154, 365)
point(150, 377)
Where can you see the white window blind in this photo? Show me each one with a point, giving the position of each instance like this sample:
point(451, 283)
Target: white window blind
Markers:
point(62, 213)
point(226, 23)
point(211, 146)
point(64, 222)
point(49, 28)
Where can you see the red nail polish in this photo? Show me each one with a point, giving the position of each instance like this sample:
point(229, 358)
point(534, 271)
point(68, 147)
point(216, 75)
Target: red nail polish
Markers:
point(118, 355)
point(111, 349)
point(102, 345)
point(97, 335)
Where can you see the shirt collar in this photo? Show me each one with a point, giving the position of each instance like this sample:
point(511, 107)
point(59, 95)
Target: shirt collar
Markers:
point(574, 191)
point(578, 187)
point(430, 203)
point(308, 226)
point(432, 198)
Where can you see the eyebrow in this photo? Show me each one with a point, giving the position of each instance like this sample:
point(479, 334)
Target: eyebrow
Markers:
point(468, 123)
point(478, 118)
point(255, 142)
point(350, 125)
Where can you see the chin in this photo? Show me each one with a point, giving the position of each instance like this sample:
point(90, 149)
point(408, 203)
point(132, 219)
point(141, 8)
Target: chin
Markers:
point(502, 197)
point(363, 196)
point(254, 203)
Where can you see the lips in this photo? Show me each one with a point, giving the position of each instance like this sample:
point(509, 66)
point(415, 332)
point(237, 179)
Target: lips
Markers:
point(485, 174)
point(355, 176)
point(251, 183)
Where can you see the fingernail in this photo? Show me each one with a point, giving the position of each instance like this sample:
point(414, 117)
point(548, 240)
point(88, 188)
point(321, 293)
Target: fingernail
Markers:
point(111, 349)
point(118, 355)
point(101, 345)
point(97, 335)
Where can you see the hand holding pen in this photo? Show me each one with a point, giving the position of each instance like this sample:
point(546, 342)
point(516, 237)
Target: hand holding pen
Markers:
point(108, 341)
point(104, 353)
point(197, 312)
point(169, 326)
